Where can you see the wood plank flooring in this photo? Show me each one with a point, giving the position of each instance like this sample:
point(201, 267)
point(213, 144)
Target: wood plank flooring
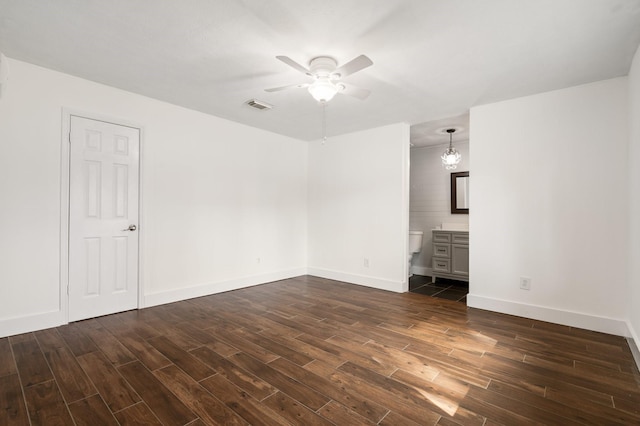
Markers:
point(310, 351)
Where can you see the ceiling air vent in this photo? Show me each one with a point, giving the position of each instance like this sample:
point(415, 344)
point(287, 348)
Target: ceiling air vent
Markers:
point(254, 103)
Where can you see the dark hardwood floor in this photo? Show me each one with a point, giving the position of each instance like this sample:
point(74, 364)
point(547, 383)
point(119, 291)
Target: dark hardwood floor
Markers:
point(310, 351)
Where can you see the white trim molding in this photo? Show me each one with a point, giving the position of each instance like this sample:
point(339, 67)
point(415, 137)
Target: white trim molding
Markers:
point(421, 270)
point(635, 351)
point(207, 289)
point(634, 340)
point(379, 283)
point(613, 326)
point(27, 324)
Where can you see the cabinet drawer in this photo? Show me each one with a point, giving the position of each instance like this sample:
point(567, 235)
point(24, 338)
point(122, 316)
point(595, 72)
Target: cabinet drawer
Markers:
point(460, 238)
point(442, 250)
point(441, 265)
point(441, 237)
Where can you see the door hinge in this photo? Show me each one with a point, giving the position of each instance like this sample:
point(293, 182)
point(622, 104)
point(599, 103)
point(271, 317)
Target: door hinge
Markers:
point(67, 290)
point(69, 137)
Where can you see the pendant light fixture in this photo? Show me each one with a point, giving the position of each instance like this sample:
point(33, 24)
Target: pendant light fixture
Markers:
point(451, 156)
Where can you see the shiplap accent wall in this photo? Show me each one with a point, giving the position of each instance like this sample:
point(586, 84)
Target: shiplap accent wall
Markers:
point(430, 194)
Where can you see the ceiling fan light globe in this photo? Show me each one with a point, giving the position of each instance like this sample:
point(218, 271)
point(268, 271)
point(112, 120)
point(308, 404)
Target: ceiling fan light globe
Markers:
point(323, 90)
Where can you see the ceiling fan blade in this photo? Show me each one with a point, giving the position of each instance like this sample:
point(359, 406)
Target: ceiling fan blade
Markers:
point(356, 92)
point(293, 64)
point(288, 86)
point(355, 65)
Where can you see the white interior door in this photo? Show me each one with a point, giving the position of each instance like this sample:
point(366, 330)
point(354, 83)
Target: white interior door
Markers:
point(103, 218)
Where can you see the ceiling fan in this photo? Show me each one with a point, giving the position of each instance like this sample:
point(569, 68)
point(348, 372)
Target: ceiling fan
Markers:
point(327, 77)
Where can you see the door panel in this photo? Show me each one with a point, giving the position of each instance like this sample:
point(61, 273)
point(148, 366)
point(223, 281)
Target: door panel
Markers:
point(103, 197)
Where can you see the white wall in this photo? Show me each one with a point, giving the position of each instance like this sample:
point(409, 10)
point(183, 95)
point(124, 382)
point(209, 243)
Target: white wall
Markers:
point(549, 200)
point(634, 198)
point(217, 195)
point(430, 198)
point(358, 207)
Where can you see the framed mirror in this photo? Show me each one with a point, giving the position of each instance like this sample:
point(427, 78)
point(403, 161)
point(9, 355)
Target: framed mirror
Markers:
point(460, 193)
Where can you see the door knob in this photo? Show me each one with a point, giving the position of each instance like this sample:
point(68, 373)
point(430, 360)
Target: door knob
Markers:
point(130, 228)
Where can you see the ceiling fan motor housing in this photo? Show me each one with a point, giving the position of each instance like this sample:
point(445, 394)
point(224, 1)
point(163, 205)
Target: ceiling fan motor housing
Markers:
point(322, 66)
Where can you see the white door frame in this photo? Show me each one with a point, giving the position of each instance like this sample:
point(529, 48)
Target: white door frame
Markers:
point(64, 203)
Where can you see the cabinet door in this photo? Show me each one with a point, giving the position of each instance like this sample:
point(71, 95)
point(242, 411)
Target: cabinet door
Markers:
point(460, 259)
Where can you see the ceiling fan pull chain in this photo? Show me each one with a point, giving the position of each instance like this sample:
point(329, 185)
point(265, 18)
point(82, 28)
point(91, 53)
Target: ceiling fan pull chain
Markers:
point(324, 122)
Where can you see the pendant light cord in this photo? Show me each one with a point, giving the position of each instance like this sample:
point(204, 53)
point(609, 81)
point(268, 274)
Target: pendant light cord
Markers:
point(450, 131)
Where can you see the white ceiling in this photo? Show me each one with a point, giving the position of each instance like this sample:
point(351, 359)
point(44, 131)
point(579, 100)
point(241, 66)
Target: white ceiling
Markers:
point(434, 132)
point(433, 59)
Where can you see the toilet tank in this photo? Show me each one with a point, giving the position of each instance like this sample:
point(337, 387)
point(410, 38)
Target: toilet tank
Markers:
point(415, 241)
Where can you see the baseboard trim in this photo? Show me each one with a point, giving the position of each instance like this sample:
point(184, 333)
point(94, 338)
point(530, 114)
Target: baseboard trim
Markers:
point(176, 295)
point(635, 351)
point(367, 281)
point(41, 321)
point(633, 341)
point(573, 319)
point(421, 270)
point(29, 323)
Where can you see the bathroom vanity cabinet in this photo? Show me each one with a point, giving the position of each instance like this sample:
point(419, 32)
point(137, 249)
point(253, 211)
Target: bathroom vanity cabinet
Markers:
point(450, 255)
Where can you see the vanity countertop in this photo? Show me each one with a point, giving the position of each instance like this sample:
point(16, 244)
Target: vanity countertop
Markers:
point(454, 227)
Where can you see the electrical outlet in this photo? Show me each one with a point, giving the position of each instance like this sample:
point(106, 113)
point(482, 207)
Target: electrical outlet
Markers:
point(525, 283)
point(258, 260)
point(366, 262)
